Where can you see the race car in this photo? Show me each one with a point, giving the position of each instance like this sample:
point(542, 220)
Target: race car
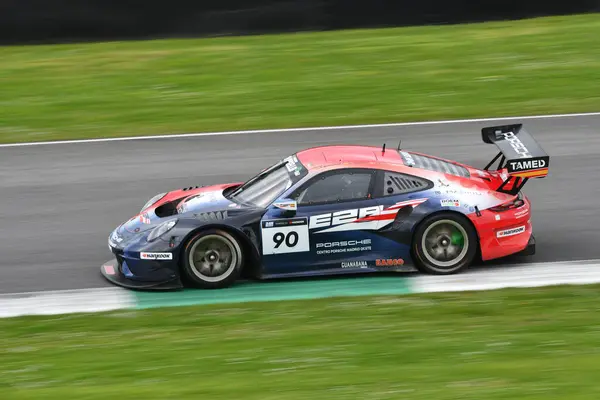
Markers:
point(335, 210)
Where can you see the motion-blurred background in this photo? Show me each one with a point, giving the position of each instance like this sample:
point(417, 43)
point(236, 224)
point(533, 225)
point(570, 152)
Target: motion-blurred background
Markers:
point(24, 21)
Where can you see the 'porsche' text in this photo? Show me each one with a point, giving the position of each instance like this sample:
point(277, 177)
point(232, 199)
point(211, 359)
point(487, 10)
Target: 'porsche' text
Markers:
point(517, 145)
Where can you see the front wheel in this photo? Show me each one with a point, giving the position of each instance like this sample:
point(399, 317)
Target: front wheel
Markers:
point(213, 259)
point(444, 244)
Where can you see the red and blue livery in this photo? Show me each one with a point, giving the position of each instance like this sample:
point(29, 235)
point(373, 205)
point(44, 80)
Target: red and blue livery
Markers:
point(335, 210)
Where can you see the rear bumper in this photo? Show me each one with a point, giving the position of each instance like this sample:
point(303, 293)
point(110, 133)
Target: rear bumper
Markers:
point(111, 271)
point(505, 233)
point(530, 249)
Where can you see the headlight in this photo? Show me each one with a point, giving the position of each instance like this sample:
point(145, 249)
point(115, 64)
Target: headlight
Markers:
point(161, 230)
point(153, 200)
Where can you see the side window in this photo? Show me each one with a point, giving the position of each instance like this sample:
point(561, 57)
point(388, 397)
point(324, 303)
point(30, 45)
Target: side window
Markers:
point(395, 183)
point(339, 186)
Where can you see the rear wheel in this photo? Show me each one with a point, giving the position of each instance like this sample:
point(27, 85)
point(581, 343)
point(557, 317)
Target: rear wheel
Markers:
point(213, 259)
point(444, 244)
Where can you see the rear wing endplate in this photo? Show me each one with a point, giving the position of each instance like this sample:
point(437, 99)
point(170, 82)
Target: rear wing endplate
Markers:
point(520, 155)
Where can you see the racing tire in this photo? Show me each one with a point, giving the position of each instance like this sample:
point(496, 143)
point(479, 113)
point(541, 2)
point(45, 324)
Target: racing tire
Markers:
point(444, 244)
point(212, 259)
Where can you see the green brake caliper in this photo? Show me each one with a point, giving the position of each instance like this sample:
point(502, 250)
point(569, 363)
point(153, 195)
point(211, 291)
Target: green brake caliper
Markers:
point(457, 239)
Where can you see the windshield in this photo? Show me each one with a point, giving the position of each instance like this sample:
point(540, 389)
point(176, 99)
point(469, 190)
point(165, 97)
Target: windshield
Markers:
point(267, 186)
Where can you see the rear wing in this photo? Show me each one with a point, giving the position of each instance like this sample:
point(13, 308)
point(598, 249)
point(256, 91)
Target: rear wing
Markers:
point(520, 155)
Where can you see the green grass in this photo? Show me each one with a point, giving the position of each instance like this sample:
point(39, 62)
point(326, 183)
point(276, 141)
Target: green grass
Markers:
point(547, 65)
point(508, 344)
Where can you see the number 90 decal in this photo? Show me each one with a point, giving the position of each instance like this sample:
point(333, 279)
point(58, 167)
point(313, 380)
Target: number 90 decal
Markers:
point(291, 239)
point(285, 236)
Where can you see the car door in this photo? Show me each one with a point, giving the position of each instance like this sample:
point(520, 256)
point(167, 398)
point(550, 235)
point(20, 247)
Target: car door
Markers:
point(327, 232)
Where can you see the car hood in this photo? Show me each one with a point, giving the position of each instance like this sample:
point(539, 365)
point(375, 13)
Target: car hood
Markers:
point(206, 201)
point(190, 202)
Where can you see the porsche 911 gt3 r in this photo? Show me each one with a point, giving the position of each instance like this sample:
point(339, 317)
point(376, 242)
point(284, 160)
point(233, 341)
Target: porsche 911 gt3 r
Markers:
point(335, 210)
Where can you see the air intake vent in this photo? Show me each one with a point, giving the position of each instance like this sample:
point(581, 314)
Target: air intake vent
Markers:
point(167, 209)
point(432, 164)
point(395, 183)
point(192, 187)
point(404, 183)
point(212, 216)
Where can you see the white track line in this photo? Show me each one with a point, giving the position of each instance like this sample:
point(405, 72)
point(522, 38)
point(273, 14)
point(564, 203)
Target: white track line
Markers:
point(319, 128)
point(516, 276)
point(65, 302)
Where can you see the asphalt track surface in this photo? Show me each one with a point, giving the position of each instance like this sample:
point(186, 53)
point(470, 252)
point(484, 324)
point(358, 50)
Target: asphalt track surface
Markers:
point(59, 202)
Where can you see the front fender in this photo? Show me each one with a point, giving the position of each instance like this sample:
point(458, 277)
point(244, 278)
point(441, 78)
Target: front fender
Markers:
point(243, 227)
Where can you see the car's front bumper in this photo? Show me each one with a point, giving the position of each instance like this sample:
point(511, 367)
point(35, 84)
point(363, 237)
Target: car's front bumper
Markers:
point(112, 271)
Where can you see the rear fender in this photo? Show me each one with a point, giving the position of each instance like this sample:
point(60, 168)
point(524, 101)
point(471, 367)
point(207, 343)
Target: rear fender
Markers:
point(465, 215)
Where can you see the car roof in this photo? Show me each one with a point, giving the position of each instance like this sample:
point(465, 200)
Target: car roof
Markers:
point(356, 156)
point(328, 156)
point(325, 158)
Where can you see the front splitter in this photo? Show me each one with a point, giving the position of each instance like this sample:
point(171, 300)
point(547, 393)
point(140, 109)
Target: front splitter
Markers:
point(110, 271)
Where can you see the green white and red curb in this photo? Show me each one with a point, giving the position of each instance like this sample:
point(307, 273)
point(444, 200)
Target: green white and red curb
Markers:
point(114, 298)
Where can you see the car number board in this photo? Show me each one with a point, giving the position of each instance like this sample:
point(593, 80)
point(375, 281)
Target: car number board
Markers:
point(282, 236)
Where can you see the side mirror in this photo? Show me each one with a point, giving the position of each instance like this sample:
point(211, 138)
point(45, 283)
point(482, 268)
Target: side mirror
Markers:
point(286, 207)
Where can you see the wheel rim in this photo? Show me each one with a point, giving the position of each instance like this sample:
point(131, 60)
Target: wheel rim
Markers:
point(445, 243)
point(213, 258)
